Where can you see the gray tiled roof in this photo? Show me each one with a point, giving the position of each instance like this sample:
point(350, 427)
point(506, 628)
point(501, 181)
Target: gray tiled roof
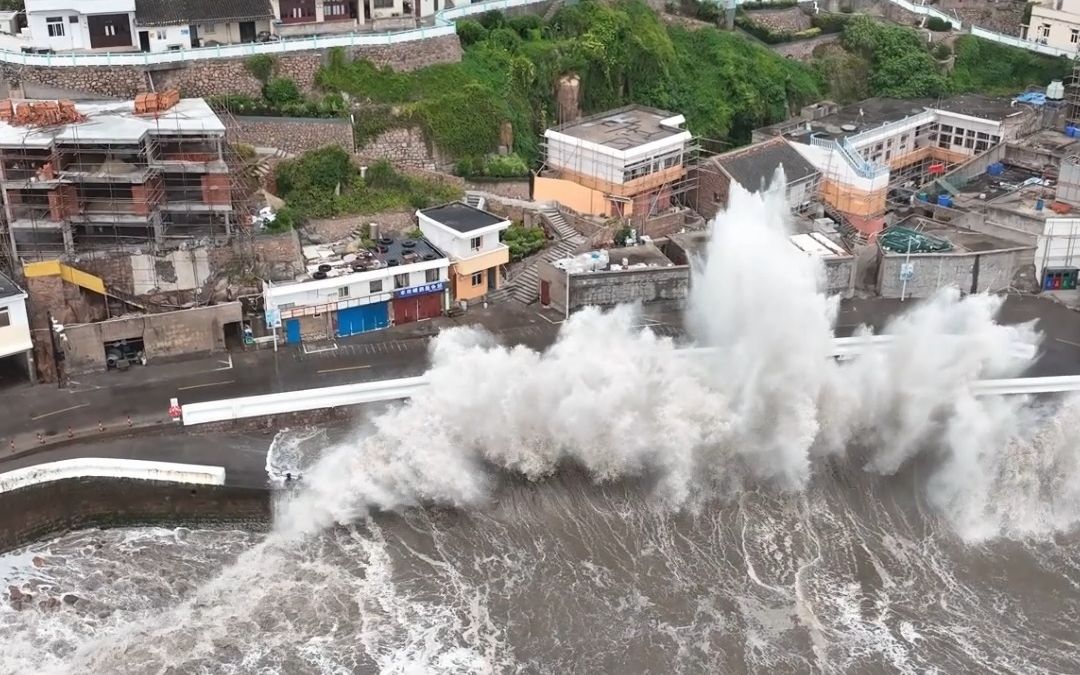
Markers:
point(8, 287)
point(171, 12)
point(753, 166)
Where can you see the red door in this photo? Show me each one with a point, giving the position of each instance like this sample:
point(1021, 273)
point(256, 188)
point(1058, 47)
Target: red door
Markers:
point(545, 293)
point(407, 310)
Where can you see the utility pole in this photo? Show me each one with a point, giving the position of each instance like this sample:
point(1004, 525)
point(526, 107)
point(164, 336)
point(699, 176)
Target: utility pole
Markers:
point(56, 330)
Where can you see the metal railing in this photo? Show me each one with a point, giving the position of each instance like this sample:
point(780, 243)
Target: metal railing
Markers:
point(94, 467)
point(444, 26)
point(1030, 45)
point(927, 11)
point(858, 164)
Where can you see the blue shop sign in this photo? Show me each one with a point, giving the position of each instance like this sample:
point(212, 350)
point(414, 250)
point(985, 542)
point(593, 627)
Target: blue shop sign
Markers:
point(436, 287)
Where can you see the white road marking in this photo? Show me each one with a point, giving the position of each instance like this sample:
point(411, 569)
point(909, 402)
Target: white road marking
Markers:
point(57, 412)
point(208, 384)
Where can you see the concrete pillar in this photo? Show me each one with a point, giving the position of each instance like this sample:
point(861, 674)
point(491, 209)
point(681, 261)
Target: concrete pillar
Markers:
point(69, 237)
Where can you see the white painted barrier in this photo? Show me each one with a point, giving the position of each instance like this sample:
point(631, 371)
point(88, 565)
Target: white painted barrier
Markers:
point(99, 467)
point(1030, 45)
point(302, 400)
point(443, 26)
point(393, 390)
point(928, 11)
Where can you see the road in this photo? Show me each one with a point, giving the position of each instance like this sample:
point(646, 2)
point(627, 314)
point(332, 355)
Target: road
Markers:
point(101, 407)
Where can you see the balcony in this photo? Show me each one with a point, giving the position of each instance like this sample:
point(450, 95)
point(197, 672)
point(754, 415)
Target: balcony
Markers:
point(484, 260)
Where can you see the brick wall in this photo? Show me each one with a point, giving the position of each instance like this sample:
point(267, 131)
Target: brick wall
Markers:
point(50, 509)
point(228, 76)
point(712, 190)
point(295, 135)
point(216, 189)
point(185, 332)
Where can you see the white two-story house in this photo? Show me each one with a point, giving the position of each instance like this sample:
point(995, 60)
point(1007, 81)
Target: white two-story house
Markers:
point(15, 342)
point(1055, 23)
point(397, 281)
point(78, 25)
point(470, 236)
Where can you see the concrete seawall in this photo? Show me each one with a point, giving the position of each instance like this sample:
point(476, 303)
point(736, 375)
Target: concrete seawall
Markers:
point(49, 509)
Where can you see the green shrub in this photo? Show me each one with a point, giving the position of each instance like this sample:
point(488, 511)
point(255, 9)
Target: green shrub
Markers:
point(779, 4)
point(492, 19)
point(829, 22)
point(504, 37)
point(992, 68)
point(261, 66)
point(285, 219)
point(938, 25)
point(281, 91)
point(470, 32)
point(493, 166)
point(900, 64)
point(525, 24)
point(523, 241)
point(941, 51)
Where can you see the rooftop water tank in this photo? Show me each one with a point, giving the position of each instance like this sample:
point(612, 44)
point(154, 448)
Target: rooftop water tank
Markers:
point(1055, 91)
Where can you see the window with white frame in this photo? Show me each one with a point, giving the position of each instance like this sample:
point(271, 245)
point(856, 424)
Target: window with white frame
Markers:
point(1044, 30)
point(383, 4)
point(343, 292)
point(207, 29)
point(1074, 35)
point(475, 243)
point(5, 318)
point(401, 280)
point(161, 34)
point(110, 29)
point(55, 26)
point(477, 278)
point(431, 276)
point(335, 9)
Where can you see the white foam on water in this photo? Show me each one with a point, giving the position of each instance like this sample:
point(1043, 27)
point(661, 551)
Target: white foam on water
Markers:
point(760, 413)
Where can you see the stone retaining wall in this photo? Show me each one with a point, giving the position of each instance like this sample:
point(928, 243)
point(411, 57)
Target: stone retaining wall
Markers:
point(513, 189)
point(50, 509)
point(227, 76)
point(404, 148)
point(295, 135)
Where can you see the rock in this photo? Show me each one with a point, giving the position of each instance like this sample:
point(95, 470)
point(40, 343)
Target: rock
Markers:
point(38, 561)
point(70, 599)
point(49, 603)
point(314, 237)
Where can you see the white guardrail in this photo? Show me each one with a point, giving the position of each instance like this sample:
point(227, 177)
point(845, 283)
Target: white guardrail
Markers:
point(444, 25)
point(1030, 45)
point(928, 11)
point(393, 390)
point(97, 467)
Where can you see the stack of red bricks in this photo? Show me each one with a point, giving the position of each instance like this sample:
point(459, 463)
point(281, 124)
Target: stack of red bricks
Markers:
point(39, 113)
point(156, 102)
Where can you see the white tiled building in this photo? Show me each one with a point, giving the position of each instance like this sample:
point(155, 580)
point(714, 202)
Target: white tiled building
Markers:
point(15, 343)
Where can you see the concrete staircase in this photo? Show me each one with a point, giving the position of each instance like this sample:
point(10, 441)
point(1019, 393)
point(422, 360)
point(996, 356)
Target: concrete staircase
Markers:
point(526, 283)
point(474, 200)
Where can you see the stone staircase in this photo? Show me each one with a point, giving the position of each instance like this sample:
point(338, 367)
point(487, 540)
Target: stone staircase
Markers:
point(526, 283)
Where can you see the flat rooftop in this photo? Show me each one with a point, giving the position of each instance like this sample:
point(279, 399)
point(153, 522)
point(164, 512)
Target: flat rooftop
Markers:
point(116, 122)
point(8, 287)
point(625, 128)
point(963, 241)
point(461, 217)
point(988, 188)
point(387, 252)
point(872, 113)
point(646, 255)
point(1052, 141)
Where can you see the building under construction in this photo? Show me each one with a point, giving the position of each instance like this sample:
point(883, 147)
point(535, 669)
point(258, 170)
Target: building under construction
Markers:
point(141, 175)
point(631, 164)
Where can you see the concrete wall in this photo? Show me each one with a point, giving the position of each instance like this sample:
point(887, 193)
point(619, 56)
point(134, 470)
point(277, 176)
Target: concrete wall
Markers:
point(227, 76)
point(50, 509)
point(970, 272)
point(15, 336)
point(656, 284)
point(840, 276)
point(294, 135)
point(171, 334)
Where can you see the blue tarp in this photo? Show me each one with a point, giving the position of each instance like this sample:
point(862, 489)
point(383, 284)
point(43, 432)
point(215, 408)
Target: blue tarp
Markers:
point(1032, 97)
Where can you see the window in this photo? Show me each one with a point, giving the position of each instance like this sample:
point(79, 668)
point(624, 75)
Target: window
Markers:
point(286, 305)
point(55, 26)
point(383, 4)
point(74, 18)
point(401, 280)
point(981, 146)
point(335, 9)
point(475, 243)
point(161, 35)
point(376, 286)
point(110, 29)
point(5, 320)
point(945, 129)
point(1074, 36)
point(343, 292)
point(983, 137)
point(969, 143)
point(431, 276)
point(1044, 30)
point(477, 278)
point(207, 29)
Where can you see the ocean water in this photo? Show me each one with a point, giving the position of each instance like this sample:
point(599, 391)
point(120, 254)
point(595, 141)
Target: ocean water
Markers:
point(611, 506)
